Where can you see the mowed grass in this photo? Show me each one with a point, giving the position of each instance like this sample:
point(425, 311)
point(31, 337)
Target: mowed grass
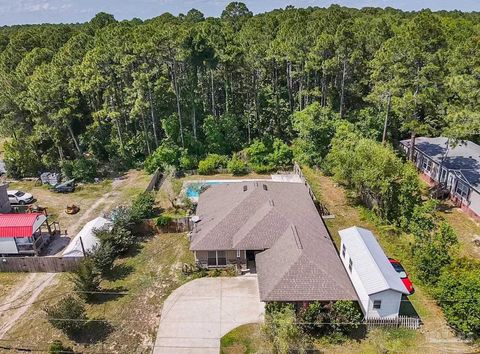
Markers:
point(466, 228)
point(131, 306)
point(244, 339)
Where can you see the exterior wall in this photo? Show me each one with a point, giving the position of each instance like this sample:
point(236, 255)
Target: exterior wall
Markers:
point(4, 202)
point(202, 257)
point(8, 246)
point(363, 297)
point(390, 305)
point(475, 202)
point(391, 299)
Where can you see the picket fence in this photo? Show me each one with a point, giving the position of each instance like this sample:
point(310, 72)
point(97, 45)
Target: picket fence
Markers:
point(399, 321)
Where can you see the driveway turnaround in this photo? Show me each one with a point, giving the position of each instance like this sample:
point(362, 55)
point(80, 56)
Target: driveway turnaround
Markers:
point(196, 315)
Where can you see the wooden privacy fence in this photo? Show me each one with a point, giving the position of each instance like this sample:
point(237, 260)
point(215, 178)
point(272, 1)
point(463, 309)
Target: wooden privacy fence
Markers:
point(39, 264)
point(156, 181)
point(399, 321)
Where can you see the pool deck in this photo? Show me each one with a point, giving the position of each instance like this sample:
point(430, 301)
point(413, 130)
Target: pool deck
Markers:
point(281, 178)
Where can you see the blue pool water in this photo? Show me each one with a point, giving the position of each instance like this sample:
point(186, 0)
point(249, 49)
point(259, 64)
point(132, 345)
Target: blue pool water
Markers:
point(193, 189)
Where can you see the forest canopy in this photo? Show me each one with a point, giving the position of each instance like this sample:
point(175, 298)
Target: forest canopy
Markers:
point(105, 95)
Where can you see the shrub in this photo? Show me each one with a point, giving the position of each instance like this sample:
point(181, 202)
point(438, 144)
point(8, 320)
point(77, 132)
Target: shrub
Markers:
point(67, 315)
point(283, 332)
point(314, 317)
point(142, 206)
point(165, 155)
point(257, 154)
point(86, 278)
point(211, 163)
point(103, 257)
point(164, 220)
point(345, 316)
point(120, 239)
point(236, 166)
point(121, 216)
point(82, 169)
point(434, 252)
point(57, 347)
point(458, 294)
point(281, 155)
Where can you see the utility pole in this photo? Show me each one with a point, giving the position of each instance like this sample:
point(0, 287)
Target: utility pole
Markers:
point(385, 124)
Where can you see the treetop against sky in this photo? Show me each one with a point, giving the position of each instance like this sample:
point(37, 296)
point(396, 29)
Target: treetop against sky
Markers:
point(71, 11)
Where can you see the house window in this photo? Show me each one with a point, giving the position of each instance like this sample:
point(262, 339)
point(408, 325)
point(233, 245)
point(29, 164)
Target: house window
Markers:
point(377, 304)
point(344, 249)
point(238, 253)
point(350, 265)
point(212, 258)
point(427, 165)
point(221, 258)
point(462, 190)
point(217, 258)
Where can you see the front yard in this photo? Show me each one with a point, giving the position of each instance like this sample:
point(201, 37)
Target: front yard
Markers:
point(129, 311)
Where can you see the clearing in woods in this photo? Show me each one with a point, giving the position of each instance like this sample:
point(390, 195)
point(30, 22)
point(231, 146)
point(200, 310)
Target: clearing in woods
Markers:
point(18, 291)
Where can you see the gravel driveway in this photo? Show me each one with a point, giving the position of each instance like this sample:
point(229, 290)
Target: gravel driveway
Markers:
point(196, 315)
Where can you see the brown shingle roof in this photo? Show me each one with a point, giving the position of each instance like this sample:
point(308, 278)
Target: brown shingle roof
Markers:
point(300, 262)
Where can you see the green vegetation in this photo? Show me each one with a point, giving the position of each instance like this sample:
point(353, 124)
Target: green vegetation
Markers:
point(107, 95)
point(67, 315)
point(243, 339)
point(211, 164)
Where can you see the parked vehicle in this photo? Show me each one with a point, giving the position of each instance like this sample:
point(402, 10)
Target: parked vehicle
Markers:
point(403, 275)
point(19, 197)
point(65, 187)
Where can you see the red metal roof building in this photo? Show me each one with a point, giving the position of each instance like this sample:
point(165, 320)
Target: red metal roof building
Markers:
point(22, 233)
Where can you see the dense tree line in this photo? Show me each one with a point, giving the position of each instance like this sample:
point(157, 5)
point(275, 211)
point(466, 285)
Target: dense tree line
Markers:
point(110, 93)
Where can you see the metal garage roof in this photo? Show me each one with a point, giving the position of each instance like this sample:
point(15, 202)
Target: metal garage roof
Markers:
point(20, 225)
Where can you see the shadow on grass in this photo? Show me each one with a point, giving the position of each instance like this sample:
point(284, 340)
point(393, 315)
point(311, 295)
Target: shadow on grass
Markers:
point(94, 331)
point(108, 295)
point(407, 308)
point(119, 272)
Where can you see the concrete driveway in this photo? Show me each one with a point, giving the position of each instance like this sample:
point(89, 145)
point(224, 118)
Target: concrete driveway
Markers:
point(196, 315)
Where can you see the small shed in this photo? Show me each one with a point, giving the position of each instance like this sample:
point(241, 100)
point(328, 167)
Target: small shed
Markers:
point(378, 285)
point(23, 233)
point(86, 240)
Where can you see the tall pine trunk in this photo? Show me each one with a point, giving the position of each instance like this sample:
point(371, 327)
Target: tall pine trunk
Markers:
point(177, 94)
point(342, 90)
point(152, 116)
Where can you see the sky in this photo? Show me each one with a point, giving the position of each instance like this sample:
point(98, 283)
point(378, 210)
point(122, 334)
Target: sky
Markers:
point(72, 11)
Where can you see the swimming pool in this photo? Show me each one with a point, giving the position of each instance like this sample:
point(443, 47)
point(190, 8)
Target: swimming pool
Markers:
point(193, 189)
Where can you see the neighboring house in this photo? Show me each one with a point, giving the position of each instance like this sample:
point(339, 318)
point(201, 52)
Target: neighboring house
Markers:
point(378, 285)
point(23, 233)
point(272, 228)
point(4, 200)
point(85, 241)
point(455, 166)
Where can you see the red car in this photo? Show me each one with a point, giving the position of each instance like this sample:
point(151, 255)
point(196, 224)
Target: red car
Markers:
point(403, 275)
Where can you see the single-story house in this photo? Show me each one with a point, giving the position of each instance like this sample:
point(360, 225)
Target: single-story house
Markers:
point(85, 241)
point(23, 233)
point(275, 230)
point(454, 165)
point(378, 286)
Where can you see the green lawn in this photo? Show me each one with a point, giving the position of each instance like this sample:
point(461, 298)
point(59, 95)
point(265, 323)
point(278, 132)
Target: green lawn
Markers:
point(244, 339)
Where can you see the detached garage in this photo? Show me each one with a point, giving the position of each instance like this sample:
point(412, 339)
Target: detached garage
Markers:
point(378, 286)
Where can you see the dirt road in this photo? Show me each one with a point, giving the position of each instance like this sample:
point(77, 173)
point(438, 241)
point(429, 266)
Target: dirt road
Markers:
point(25, 293)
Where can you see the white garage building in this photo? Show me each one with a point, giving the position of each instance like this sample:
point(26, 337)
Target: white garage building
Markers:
point(378, 285)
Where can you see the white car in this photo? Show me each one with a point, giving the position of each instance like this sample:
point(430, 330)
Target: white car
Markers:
point(19, 197)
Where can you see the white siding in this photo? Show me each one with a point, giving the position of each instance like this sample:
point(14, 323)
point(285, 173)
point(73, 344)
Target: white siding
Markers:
point(357, 283)
point(475, 202)
point(8, 246)
point(390, 305)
